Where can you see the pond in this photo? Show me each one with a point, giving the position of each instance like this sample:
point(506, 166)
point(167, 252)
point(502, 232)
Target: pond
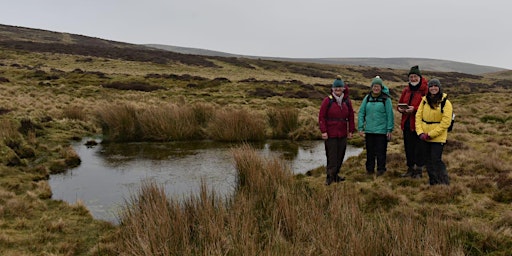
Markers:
point(110, 173)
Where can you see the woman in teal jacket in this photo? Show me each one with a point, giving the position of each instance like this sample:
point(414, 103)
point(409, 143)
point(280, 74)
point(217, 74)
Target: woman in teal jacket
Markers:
point(375, 123)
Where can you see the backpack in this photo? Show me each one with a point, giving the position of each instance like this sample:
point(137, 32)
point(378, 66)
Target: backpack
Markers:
point(443, 102)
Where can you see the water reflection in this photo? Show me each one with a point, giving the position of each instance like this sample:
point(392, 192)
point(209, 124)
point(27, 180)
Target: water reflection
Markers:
point(109, 173)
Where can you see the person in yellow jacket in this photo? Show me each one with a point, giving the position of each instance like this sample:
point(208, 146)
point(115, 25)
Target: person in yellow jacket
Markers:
point(432, 124)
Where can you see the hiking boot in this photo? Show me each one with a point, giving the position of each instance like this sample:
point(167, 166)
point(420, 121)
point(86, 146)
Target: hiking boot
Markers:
point(328, 181)
point(380, 173)
point(417, 173)
point(417, 176)
point(409, 173)
point(339, 179)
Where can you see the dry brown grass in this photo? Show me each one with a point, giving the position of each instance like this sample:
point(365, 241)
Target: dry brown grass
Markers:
point(283, 122)
point(75, 112)
point(237, 125)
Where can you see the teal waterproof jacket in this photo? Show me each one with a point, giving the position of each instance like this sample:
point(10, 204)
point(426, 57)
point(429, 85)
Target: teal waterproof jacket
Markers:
point(376, 114)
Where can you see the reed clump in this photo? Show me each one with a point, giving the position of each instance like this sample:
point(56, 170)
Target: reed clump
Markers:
point(75, 112)
point(172, 122)
point(237, 125)
point(168, 123)
point(119, 122)
point(283, 121)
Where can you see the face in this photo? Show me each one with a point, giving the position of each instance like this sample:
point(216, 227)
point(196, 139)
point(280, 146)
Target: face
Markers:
point(433, 89)
point(414, 79)
point(338, 90)
point(376, 88)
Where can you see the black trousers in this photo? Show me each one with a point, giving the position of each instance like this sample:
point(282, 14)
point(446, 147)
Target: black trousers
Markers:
point(414, 148)
point(436, 168)
point(335, 151)
point(376, 149)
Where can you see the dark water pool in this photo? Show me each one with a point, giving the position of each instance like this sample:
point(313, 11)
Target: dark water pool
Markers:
point(110, 173)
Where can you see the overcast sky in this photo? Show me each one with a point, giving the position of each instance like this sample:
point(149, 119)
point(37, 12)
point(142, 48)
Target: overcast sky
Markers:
point(473, 31)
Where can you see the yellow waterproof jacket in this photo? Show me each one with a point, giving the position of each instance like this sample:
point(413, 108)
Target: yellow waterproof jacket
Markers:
point(432, 121)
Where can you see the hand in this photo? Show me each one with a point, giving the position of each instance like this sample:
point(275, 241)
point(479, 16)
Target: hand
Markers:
point(388, 136)
point(324, 136)
point(424, 137)
point(361, 133)
point(410, 109)
point(350, 135)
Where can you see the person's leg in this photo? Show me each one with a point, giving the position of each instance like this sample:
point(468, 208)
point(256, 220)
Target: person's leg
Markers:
point(438, 165)
point(410, 142)
point(370, 153)
point(381, 145)
point(419, 151)
point(341, 149)
point(432, 175)
point(419, 157)
point(331, 154)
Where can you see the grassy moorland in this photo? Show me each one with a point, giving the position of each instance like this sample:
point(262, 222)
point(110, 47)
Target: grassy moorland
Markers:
point(53, 94)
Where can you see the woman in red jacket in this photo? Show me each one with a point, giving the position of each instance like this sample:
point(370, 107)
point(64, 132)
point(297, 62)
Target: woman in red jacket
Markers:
point(412, 95)
point(336, 122)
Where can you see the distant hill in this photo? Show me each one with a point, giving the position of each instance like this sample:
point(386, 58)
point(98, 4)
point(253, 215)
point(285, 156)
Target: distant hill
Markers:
point(393, 63)
point(30, 39)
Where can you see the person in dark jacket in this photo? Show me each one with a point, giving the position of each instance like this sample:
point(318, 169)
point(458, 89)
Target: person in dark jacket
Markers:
point(336, 122)
point(411, 96)
point(376, 122)
point(432, 128)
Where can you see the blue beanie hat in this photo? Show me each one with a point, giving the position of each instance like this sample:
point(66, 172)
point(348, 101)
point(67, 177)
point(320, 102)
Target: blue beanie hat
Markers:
point(338, 82)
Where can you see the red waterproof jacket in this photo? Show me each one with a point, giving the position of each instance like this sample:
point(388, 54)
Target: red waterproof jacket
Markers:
point(335, 120)
point(412, 98)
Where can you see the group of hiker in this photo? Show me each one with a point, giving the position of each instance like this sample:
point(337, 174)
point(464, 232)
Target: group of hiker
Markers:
point(426, 115)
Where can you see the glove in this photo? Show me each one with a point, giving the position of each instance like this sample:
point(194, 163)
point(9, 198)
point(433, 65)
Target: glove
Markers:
point(424, 137)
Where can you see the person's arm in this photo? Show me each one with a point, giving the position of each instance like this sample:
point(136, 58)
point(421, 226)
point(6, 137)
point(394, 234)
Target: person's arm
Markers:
point(322, 123)
point(351, 121)
point(390, 117)
point(402, 100)
point(361, 115)
point(419, 117)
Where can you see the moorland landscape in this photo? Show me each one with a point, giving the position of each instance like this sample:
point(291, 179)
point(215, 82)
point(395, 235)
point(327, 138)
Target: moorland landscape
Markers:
point(57, 88)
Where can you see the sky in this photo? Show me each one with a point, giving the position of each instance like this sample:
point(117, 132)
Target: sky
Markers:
point(471, 31)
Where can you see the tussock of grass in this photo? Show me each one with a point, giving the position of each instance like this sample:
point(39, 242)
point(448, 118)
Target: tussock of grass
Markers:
point(237, 125)
point(75, 112)
point(119, 122)
point(167, 123)
point(283, 122)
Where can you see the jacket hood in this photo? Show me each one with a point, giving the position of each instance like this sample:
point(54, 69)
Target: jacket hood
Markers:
point(385, 89)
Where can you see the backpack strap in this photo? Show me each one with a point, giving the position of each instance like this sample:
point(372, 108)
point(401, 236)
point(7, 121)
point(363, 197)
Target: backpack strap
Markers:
point(331, 100)
point(382, 98)
point(443, 102)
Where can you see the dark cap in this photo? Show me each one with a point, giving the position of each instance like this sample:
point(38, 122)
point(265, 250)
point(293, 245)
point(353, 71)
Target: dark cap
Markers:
point(415, 70)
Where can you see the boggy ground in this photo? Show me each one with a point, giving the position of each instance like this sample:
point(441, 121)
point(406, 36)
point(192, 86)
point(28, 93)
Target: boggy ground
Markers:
point(49, 99)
